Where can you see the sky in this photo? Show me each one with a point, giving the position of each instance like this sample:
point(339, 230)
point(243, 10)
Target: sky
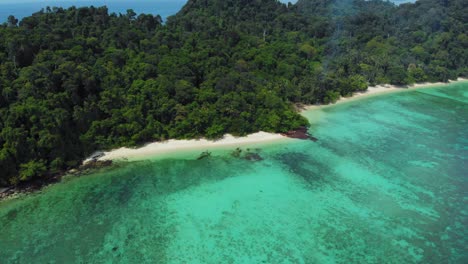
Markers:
point(22, 8)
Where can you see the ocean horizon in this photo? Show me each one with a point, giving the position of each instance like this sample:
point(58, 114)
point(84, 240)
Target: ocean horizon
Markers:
point(164, 8)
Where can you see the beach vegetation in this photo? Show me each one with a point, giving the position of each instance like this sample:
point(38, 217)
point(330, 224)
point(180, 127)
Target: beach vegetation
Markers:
point(77, 80)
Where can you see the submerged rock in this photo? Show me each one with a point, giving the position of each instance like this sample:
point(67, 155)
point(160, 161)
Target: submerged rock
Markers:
point(249, 154)
point(204, 155)
point(237, 152)
point(253, 157)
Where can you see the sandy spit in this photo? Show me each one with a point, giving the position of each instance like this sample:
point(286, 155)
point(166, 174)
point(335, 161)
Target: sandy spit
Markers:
point(172, 146)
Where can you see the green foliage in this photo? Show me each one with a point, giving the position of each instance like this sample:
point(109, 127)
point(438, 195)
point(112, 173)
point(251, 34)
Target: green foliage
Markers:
point(331, 97)
point(76, 80)
point(357, 83)
point(31, 169)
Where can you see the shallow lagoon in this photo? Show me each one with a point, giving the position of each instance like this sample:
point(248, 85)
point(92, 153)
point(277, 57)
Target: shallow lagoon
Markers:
point(387, 182)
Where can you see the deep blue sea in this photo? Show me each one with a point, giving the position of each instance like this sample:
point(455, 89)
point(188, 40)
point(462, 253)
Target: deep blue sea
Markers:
point(22, 9)
point(165, 8)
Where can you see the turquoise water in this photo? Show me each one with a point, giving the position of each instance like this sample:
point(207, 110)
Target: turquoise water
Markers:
point(387, 182)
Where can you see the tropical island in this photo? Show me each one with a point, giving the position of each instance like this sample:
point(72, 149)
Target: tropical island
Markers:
point(77, 80)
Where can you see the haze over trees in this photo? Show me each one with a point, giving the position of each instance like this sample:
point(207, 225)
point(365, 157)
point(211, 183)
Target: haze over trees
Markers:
point(77, 80)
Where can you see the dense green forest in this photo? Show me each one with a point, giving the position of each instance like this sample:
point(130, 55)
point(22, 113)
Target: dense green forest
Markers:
point(77, 80)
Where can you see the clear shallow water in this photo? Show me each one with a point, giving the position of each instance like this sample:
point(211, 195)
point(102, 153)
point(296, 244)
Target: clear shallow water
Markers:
point(386, 183)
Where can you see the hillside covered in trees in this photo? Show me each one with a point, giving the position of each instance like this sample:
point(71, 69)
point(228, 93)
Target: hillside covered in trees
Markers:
point(77, 80)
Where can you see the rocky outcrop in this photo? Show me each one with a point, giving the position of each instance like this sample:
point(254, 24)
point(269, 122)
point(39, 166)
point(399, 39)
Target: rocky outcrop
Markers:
point(37, 184)
point(300, 133)
point(93, 164)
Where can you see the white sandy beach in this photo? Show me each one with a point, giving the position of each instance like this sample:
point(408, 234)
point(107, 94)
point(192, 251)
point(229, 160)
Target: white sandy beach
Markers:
point(173, 146)
point(382, 89)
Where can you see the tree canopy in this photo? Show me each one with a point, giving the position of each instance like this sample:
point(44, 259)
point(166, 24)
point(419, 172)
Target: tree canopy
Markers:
point(77, 80)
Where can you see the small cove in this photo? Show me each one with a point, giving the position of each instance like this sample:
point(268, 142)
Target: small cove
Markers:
point(385, 183)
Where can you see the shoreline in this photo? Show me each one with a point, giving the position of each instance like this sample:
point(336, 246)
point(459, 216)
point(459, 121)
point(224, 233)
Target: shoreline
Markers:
point(194, 148)
point(36, 185)
point(202, 146)
point(380, 90)
point(165, 148)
